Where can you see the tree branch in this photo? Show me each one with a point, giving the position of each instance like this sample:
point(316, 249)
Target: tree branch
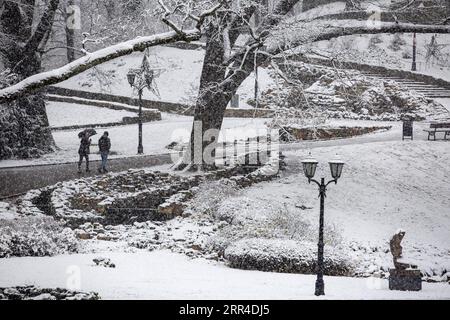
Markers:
point(41, 80)
point(326, 30)
point(45, 24)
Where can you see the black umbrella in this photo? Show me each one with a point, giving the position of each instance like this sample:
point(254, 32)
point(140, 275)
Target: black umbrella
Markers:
point(88, 132)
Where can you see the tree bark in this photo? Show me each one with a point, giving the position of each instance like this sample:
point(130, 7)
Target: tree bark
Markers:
point(70, 34)
point(24, 127)
point(447, 5)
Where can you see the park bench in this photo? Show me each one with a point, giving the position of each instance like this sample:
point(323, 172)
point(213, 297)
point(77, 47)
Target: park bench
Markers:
point(438, 127)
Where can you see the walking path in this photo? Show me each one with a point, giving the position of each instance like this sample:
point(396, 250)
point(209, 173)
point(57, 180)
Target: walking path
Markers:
point(16, 181)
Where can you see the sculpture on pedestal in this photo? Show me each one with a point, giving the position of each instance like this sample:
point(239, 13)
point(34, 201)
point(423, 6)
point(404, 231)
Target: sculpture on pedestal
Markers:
point(405, 276)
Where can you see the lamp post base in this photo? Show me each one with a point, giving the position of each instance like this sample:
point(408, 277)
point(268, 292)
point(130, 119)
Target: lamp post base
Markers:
point(320, 288)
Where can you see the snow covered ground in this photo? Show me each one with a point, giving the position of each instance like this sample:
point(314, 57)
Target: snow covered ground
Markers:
point(178, 81)
point(156, 136)
point(357, 49)
point(164, 275)
point(385, 186)
point(62, 114)
point(444, 102)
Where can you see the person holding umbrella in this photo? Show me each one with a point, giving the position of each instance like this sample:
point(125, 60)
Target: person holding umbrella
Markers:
point(84, 149)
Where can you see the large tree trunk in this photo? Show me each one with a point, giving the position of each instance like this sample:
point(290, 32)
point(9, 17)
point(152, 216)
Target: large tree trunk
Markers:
point(70, 32)
point(214, 97)
point(447, 5)
point(216, 90)
point(211, 104)
point(24, 127)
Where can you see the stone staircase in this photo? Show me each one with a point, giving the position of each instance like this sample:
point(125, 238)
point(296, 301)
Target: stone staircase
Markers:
point(431, 91)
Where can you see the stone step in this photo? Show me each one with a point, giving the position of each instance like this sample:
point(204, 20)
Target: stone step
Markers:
point(428, 90)
point(433, 92)
point(416, 84)
point(424, 87)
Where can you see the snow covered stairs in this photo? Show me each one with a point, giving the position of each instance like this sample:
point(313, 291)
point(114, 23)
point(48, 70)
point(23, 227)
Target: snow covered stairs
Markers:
point(428, 90)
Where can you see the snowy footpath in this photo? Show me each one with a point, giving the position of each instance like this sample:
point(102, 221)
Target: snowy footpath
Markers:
point(165, 275)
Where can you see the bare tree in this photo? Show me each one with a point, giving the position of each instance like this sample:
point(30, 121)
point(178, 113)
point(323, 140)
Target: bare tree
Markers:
point(226, 66)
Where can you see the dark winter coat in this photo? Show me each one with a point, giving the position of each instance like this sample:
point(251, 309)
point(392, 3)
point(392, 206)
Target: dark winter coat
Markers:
point(84, 146)
point(104, 144)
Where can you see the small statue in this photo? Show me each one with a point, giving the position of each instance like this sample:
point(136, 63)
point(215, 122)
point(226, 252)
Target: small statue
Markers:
point(405, 276)
point(397, 251)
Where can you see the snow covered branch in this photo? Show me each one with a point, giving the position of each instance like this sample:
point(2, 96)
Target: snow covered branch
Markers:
point(305, 33)
point(41, 80)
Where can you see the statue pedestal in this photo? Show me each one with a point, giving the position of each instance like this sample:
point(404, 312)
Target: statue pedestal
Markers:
point(405, 280)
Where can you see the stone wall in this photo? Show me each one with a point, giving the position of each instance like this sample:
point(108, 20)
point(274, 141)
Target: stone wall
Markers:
point(326, 133)
point(148, 104)
point(132, 196)
point(433, 15)
point(120, 103)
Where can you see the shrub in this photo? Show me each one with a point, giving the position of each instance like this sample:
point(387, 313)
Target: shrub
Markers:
point(210, 195)
point(35, 237)
point(374, 41)
point(397, 42)
point(258, 218)
point(285, 256)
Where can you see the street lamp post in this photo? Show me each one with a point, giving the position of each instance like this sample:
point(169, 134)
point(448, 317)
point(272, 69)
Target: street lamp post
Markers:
point(414, 62)
point(309, 168)
point(140, 79)
point(140, 146)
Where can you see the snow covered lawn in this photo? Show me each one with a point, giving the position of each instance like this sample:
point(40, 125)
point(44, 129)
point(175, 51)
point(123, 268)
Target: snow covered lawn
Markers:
point(444, 102)
point(357, 49)
point(179, 78)
point(62, 114)
point(164, 275)
point(178, 82)
point(385, 186)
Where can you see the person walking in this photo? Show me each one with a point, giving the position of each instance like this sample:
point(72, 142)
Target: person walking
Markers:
point(104, 144)
point(84, 151)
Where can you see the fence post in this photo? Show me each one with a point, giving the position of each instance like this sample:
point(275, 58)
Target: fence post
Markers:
point(247, 152)
point(224, 153)
point(235, 151)
point(269, 145)
point(258, 157)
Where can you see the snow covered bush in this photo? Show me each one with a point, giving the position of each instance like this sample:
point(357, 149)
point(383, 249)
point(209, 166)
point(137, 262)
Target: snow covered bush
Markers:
point(369, 99)
point(374, 41)
point(302, 114)
point(259, 218)
point(285, 256)
point(34, 293)
point(397, 42)
point(332, 93)
point(210, 195)
point(35, 236)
